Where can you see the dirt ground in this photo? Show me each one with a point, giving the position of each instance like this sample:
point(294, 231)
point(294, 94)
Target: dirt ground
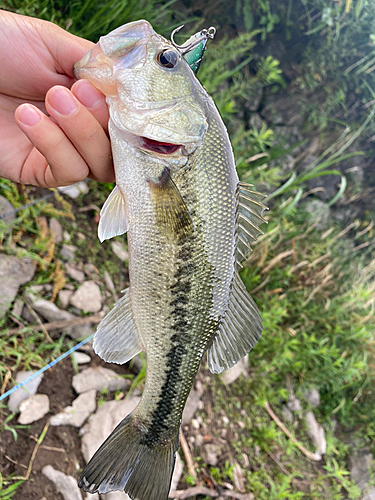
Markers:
point(61, 446)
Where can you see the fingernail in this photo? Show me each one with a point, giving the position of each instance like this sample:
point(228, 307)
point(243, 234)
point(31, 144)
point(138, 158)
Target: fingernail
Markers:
point(88, 95)
point(28, 115)
point(62, 101)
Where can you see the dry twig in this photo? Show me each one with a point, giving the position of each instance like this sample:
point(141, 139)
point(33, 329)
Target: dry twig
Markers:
point(56, 325)
point(6, 380)
point(187, 455)
point(33, 455)
point(45, 447)
point(14, 462)
point(41, 326)
point(272, 263)
point(312, 456)
point(201, 490)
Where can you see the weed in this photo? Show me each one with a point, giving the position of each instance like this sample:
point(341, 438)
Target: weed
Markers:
point(7, 492)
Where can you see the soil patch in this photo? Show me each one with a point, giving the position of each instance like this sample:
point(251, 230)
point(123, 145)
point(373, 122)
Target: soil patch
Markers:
point(61, 446)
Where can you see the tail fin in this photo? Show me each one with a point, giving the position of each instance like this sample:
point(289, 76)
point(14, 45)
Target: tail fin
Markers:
point(126, 461)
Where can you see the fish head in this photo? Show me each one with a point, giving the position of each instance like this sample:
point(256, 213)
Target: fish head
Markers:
point(152, 93)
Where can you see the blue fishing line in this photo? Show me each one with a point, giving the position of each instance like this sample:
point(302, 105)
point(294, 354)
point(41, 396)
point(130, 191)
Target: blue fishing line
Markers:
point(50, 365)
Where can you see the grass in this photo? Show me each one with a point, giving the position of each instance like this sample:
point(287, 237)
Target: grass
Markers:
point(313, 280)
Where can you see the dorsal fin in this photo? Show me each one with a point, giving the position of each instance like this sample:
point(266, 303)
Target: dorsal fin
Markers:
point(239, 331)
point(250, 210)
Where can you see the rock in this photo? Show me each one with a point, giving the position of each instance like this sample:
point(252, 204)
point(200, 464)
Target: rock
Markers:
point(91, 270)
point(238, 478)
point(50, 311)
point(102, 423)
point(229, 376)
point(252, 104)
point(99, 378)
point(76, 414)
point(294, 404)
point(109, 283)
point(283, 111)
point(370, 494)
point(225, 420)
point(210, 454)
point(74, 273)
point(93, 496)
point(194, 423)
point(328, 186)
point(79, 331)
point(14, 272)
point(75, 190)
point(119, 249)
point(115, 495)
point(56, 229)
point(360, 463)
point(67, 252)
point(29, 389)
point(256, 121)
point(346, 214)
point(319, 213)
point(289, 137)
point(64, 297)
point(87, 297)
point(67, 236)
point(316, 433)
point(177, 473)
point(7, 213)
point(26, 315)
point(81, 358)
point(198, 440)
point(285, 163)
point(191, 404)
point(17, 307)
point(66, 485)
point(312, 396)
point(33, 408)
point(287, 414)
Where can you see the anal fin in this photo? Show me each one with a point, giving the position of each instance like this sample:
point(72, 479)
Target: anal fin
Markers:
point(116, 339)
point(239, 331)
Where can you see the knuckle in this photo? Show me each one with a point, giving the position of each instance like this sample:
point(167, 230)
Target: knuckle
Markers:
point(88, 133)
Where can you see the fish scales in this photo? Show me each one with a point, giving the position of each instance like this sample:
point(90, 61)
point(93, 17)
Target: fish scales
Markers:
point(177, 322)
point(177, 195)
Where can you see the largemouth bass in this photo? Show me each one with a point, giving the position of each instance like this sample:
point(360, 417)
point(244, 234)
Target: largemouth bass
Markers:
point(190, 223)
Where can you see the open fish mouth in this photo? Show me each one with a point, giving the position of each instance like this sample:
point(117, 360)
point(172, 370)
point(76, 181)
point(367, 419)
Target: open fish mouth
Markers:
point(163, 148)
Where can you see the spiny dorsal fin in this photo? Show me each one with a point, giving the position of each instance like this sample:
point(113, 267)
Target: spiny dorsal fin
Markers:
point(171, 212)
point(250, 209)
point(239, 331)
point(113, 216)
point(116, 339)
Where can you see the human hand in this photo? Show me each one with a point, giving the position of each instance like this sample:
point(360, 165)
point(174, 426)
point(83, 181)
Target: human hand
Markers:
point(37, 69)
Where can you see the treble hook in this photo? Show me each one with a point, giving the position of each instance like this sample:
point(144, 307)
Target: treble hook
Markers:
point(194, 40)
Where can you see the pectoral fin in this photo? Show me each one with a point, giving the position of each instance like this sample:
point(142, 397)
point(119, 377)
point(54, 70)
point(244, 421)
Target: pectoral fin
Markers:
point(238, 333)
point(113, 216)
point(170, 210)
point(116, 339)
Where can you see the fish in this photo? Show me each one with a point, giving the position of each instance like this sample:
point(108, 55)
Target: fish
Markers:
point(190, 224)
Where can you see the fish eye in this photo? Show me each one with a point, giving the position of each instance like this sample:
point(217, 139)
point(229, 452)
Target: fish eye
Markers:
point(168, 58)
